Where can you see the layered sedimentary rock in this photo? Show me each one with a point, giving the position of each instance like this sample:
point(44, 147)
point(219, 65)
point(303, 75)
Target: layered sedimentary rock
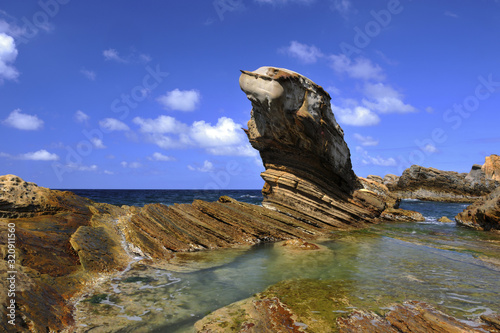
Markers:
point(62, 241)
point(491, 167)
point(484, 214)
point(436, 185)
point(307, 161)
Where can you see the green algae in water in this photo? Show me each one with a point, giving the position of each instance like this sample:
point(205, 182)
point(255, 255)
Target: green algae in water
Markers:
point(96, 299)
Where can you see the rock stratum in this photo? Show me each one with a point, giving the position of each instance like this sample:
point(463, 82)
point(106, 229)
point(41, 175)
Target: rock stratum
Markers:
point(307, 162)
point(484, 214)
point(431, 184)
point(65, 244)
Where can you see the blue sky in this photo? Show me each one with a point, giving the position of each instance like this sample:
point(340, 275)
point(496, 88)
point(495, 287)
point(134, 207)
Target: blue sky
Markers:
point(129, 94)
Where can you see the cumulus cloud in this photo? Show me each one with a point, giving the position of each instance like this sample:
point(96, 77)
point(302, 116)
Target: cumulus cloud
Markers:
point(81, 116)
point(226, 132)
point(430, 148)
point(355, 115)
point(370, 160)
point(385, 99)
point(8, 54)
point(365, 140)
point(23, 121)
point(40, 155)
point(305, 53)
point(359, 68)
point(224, 138)
point(180, 100)
point(112, 54)
point(161, 157)
point(162, 124)
point(98, 143)
point(207, 167)
point(112, 124)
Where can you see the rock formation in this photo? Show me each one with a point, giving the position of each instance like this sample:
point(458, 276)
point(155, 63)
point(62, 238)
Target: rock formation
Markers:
point(484, 214)
point(307, 161)
point(491, 167)
point(435, 185)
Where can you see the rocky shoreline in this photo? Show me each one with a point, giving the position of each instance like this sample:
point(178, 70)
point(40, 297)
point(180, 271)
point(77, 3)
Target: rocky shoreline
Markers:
point(66, 243)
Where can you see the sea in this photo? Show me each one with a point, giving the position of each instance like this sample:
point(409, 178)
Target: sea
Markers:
point(451, 267)
point(141, 198)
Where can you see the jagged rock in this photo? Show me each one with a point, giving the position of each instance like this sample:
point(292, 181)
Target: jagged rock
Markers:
point(402, 215)
point(484, 214)
point(409, 317)
point(391, 181)
point(444, 219)
point(381, 190)
point(491, 167)
point(435, 185)
point(375, 178)
point(307, 161)
point(63, 242)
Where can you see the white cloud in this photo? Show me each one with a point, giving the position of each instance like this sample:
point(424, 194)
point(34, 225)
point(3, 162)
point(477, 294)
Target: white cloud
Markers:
point(88, 74)
point(133, 165)
point(41, 155)
point(430, 148)
point(8, 54)
point(181, 100)
point(360, 68)
point(112, 124)
point(342, 6)
point(207, 167)
point(224, 138)
point(385, 99)
point(161, 157)
point(429, 109)
point(355, 115)
point(225, 133)
point(451, 14)
point(305, 53)
point(365, 140)
point(333, 90)
point(107, 172)
point(23, 121)
point(112, 54)
point(81, 116)
point(98, 143)
point(162, 124)
point(369, 160)
point(242, 150)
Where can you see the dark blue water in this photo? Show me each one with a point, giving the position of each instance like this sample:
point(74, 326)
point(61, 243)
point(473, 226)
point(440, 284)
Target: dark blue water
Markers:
point(167, 197)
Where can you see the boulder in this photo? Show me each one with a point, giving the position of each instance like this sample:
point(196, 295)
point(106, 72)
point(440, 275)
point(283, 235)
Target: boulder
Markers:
point(402, 215)
point(391, 181)
point(484, 214)
point(436, 185)
point(491, 167)
point(307, 162)
point(444, 219)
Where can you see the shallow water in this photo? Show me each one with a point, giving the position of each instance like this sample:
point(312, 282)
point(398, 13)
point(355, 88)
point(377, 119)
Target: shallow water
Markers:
point(451, 267)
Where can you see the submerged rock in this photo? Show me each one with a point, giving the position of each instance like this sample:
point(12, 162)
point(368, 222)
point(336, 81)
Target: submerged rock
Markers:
point(444, 219)
point(484, 214)
point(307, 161)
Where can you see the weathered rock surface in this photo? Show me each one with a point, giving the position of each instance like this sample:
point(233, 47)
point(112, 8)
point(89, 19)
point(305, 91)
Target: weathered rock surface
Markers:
point(287, 307)
point(491, 167)
point(62, 242)
point(410, 317)
point(391, 181)
point(484, 214)
point(444, 219)
point(435, 185)
point(307, 161)
point(402, 215)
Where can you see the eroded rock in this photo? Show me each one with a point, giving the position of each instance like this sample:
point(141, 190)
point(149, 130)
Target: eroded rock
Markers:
point(484, 214)
point(491, 167)
point(307, 161)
